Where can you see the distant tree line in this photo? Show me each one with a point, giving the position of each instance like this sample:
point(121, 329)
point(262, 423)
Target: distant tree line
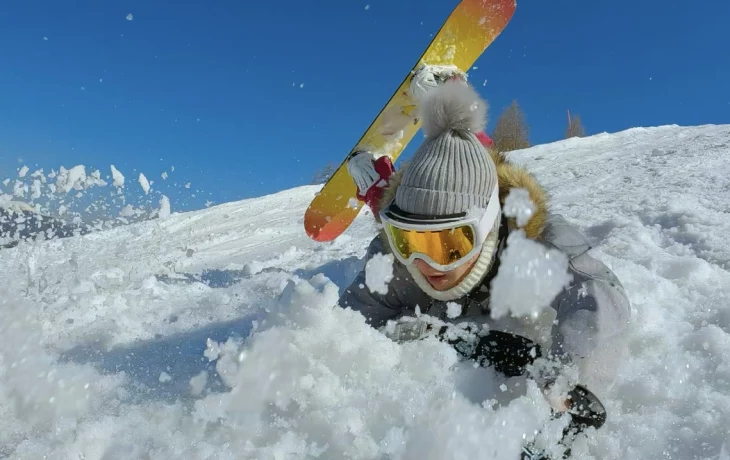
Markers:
point(512, 132)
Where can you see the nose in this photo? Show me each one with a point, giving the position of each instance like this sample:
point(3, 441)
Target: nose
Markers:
point(425, 268)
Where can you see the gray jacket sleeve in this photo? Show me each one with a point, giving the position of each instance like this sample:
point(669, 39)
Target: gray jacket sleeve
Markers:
point(403, 294)
point(593, 316)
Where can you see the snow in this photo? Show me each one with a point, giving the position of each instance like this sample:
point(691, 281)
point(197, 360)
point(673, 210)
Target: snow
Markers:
point(379, 272)
point(518, 205)
point(117, 177)
point(530, 275)
point(453, 310)
point(152, 340)
point(144, 183)
point(164, 210)
point(528, 279)
point(70, 179)
point(23, 171)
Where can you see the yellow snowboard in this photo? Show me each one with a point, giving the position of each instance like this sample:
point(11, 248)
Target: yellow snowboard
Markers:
point(469, 30)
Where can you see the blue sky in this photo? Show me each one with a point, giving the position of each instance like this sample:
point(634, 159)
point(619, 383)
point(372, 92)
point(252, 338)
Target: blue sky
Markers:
point(247, 98)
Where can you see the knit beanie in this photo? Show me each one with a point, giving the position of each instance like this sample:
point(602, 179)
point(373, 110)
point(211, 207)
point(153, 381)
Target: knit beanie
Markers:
point(451, 171)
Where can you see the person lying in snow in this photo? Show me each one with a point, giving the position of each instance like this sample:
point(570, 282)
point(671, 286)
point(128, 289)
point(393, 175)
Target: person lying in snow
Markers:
point(450, 174)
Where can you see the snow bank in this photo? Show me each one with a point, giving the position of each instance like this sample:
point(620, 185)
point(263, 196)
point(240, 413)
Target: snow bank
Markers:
point(210, 334)
point(317, 380)
point(313, 380)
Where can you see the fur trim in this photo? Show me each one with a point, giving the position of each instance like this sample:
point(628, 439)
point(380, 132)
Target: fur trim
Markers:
point(453, 106)
point(510, 176)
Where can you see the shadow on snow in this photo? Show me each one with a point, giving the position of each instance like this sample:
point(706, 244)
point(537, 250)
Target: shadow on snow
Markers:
point(181, 355)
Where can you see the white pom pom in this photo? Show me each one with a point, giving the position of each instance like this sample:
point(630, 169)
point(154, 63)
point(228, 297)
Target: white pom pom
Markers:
point(455, 106)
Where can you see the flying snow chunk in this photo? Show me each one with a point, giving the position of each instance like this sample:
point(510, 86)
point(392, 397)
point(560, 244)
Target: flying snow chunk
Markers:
point(144, 183)
point(164, 175)
point(530, 276)
point(379, 272)
point(36, 189)
point(164, 207)
point(198, 383)
point(453, 310)
point(129, 211)
point(519, 205)
point(117, 177)
point(95, 179)
point(23, 171)
point(367, 7)
point(187, 185)
point(73, 178)
point(20, 189)
point(130, 17)
point(724, 455)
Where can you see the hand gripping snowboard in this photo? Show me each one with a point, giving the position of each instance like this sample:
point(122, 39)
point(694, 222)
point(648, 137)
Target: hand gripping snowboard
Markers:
point(469, 30)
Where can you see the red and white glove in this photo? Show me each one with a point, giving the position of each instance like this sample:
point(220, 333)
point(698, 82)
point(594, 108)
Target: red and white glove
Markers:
point(371, 175)
point(485, 139)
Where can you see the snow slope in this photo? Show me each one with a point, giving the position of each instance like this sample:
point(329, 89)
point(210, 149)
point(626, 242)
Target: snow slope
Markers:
point(124, 344)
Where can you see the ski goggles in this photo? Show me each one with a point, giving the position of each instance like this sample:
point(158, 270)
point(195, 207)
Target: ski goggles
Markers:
point(443, 242)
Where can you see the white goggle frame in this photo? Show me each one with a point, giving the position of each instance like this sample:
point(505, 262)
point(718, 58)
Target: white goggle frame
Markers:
point(481, 228)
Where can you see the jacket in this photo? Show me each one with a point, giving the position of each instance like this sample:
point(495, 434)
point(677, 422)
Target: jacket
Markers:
point(586, 322)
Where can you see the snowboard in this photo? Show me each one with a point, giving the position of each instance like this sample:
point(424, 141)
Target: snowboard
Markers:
point(470, 28)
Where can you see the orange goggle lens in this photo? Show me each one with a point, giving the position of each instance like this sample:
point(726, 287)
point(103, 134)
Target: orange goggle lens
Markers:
point(443, 246)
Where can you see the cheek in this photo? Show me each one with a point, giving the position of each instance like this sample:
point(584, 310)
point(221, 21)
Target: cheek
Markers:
point(459, 272)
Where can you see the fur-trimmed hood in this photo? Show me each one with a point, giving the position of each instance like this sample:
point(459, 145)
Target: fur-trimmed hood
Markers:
point(509, 176)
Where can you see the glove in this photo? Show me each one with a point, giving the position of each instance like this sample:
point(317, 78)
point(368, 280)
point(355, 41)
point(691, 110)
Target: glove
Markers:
point(430, 76)
point(508, 354)
point(485, 139)
point(371, 175)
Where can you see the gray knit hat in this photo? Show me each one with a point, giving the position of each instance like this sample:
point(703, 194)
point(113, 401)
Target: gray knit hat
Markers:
point(451, 171)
